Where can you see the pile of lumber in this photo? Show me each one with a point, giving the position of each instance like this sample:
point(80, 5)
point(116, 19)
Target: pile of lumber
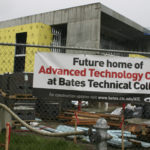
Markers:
point(142, 130)
point(88, 119)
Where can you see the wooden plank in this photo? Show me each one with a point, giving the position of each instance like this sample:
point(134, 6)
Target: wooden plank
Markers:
point(64, 117)
point(22, 97)
point(80, 117)
point(83, 115)
point(95, 115)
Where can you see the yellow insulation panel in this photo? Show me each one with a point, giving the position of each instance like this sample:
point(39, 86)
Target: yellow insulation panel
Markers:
point(137, 56)
point(37, 34)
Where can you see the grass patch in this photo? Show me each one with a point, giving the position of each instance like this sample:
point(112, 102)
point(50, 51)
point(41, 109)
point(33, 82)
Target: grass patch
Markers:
point(36, 142)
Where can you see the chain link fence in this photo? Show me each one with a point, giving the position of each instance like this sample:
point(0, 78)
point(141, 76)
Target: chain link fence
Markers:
point(63, 115)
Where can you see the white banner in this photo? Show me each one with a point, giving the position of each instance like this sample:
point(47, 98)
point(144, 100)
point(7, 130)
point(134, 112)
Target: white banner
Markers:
point(92, 73)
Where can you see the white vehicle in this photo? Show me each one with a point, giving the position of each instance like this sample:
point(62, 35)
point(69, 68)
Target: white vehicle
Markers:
point(83, 103)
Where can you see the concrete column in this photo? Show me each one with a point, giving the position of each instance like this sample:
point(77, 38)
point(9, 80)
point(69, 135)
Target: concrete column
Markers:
point(83, 28)
point(4, 118)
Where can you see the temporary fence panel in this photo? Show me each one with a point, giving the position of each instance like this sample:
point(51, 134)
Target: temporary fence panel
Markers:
point(48, 91)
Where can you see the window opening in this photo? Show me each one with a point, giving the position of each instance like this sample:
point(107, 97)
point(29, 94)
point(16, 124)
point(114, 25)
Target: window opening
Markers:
point(20, 52)
point(59, 37)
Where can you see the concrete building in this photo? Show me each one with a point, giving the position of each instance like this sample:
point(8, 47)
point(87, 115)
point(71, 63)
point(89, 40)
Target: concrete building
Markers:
point(91, 26)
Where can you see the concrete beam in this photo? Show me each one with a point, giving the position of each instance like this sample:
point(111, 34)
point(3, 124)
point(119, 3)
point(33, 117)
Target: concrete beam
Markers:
point(121, 18)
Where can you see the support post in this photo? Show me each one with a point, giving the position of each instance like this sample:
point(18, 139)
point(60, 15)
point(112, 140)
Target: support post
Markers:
point(122, 125)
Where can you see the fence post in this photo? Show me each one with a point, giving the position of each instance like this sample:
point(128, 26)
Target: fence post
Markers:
point(7, 136)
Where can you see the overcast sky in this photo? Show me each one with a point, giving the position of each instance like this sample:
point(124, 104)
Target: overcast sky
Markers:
point(137, 10)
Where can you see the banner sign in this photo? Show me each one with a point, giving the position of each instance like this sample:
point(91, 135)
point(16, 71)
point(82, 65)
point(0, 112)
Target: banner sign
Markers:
point(92, 77)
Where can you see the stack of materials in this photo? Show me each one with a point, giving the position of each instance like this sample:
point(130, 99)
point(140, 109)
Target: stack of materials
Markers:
point(25, 111)
point(88, 119)
point(137, 126)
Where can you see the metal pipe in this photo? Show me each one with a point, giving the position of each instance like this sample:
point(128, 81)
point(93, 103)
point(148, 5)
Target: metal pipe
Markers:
point(77, 48)
point(37, 131)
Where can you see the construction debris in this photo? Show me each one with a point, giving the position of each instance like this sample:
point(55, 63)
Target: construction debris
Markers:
point(133, 125)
